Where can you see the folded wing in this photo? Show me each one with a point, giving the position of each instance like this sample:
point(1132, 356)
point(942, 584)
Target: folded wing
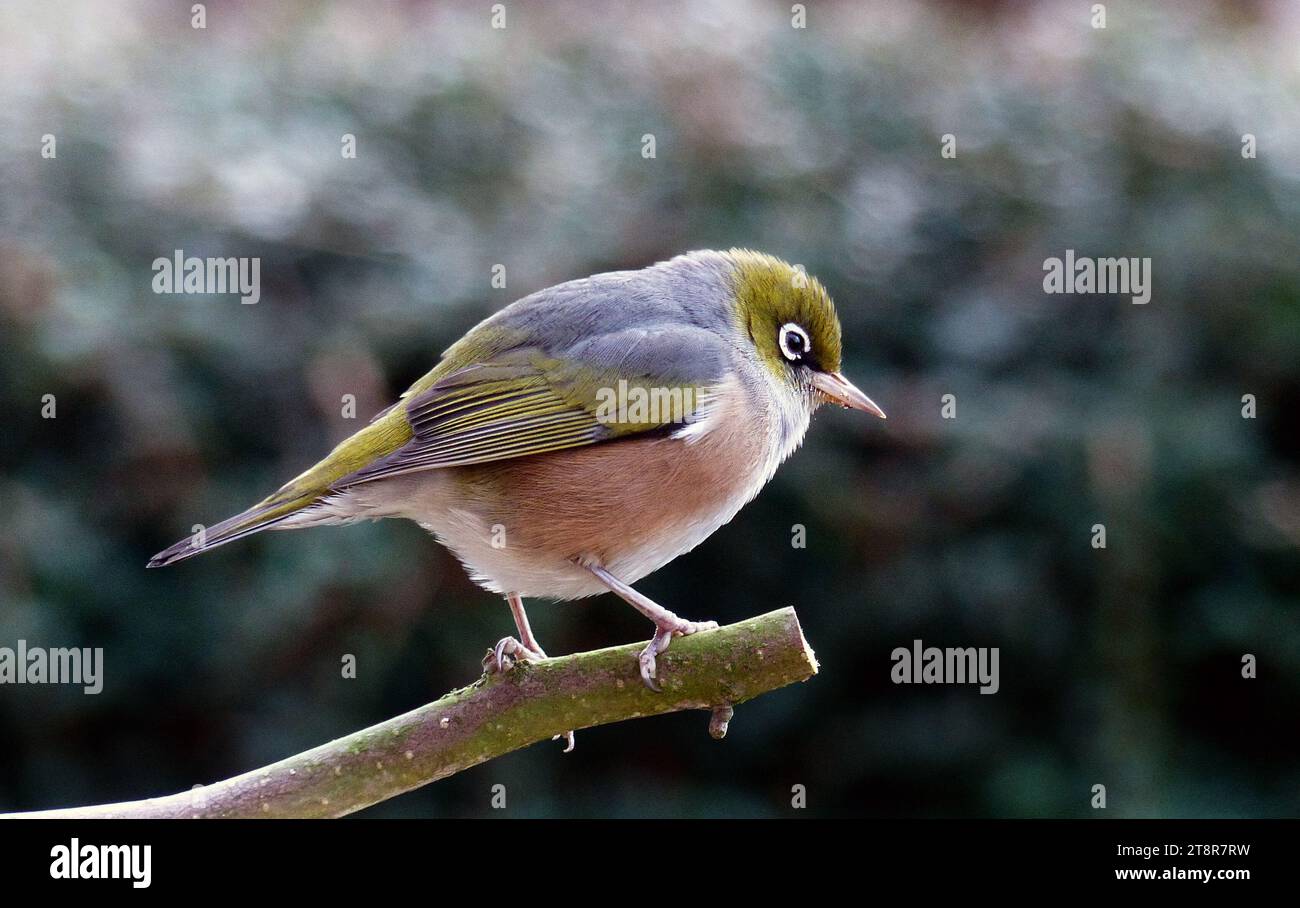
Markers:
point(527, 401)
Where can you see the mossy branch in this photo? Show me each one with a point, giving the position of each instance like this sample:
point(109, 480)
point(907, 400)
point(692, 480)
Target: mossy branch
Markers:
point(713, 670)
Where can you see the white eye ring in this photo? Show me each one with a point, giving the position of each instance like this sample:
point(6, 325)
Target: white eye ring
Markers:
point(783, 338)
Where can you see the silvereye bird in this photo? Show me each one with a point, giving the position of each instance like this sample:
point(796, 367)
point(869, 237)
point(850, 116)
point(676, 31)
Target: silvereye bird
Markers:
point(588, 434)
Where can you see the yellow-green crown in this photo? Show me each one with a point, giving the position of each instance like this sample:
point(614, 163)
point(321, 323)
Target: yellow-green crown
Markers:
point(771, 293)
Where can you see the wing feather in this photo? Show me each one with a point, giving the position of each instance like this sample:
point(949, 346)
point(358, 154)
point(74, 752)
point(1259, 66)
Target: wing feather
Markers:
point(458, 424)
point(524, 402)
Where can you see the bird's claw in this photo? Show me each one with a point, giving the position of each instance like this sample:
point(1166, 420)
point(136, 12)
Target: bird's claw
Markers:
point(506, 653)
point(649, 669)
point(664, 634)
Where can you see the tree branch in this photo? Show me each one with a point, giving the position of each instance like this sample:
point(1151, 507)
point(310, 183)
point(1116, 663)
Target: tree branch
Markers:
point(712, 670)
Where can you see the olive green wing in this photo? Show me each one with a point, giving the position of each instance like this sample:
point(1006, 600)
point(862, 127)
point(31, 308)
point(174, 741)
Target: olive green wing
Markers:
point(527, 402)
point(481, 414)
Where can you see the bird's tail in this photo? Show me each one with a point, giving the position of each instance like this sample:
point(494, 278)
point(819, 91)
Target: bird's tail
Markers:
point(288, 506)
point(262, 516)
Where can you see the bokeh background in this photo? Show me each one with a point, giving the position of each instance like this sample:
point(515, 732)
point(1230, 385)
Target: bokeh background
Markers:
point(523, 147)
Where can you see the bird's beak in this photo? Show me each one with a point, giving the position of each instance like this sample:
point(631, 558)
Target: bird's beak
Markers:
point(839, 390)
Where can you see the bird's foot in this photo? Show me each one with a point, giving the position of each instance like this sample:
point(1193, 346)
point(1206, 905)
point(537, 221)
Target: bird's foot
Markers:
point(667, 625)
point(503, 657)
point(665, 631)
point(506, 653)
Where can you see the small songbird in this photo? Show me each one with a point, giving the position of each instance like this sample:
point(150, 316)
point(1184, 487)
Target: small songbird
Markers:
point(588, 434)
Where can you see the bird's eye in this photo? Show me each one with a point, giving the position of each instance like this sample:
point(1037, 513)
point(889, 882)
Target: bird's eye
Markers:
point(794, 342)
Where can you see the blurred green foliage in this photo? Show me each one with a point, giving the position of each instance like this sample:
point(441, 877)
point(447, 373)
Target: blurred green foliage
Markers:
point(522, 147)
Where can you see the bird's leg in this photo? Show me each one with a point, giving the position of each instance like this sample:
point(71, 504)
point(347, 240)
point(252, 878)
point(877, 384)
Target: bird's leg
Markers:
point(667, 624)
point(525, 649)
point(521, 624)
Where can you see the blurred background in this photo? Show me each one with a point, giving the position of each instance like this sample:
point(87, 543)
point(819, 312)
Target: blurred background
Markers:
point(523, 147)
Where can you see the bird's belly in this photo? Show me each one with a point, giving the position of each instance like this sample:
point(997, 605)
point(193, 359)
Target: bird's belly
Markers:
point(631, 506)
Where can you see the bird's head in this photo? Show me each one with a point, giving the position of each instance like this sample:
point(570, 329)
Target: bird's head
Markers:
point(789, 318)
